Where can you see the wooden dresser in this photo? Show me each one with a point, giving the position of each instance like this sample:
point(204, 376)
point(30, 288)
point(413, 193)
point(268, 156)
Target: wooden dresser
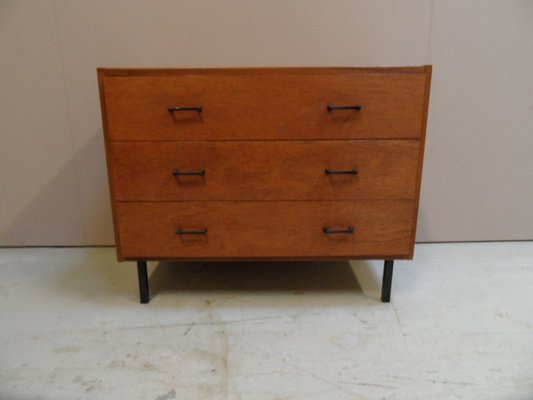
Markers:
point(264, 163)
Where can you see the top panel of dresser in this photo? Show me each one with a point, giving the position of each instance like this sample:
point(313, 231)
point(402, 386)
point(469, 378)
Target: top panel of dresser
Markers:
point(262, 103)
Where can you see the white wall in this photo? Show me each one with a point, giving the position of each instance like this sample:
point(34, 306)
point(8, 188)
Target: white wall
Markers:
point(478, 179)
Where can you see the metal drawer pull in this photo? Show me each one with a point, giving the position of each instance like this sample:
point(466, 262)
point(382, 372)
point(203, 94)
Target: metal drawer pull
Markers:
point(329, 231)
point(198, 232)
point(174, 109)
point(332, 107)
point(333, 172)
point(190, 173)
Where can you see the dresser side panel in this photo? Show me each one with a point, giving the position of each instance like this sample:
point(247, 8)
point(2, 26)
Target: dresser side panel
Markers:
point(101, 73)
point(428, 71)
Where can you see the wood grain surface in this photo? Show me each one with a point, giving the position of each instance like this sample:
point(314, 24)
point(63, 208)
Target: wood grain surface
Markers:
point(272, 170)
point(251, 230)
point(264, 104)
point(264, 139)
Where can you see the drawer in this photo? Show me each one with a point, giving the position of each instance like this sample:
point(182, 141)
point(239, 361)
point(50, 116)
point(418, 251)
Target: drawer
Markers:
point(264, 170)
point(265, 230)
point(263, 104)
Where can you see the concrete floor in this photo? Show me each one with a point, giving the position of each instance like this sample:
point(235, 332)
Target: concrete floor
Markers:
point(459, 327)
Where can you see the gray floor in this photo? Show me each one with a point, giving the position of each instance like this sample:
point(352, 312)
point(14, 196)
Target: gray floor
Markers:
point(459, 327)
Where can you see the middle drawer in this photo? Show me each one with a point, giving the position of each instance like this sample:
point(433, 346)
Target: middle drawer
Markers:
point(264, 170)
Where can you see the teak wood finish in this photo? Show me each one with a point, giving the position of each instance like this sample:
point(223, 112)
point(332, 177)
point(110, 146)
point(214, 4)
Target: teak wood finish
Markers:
point(266, 229)
point(260, 165)
point(273, 170)
point(237, 105)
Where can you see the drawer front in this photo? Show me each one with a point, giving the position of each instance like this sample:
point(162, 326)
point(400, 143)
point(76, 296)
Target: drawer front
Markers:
point(265, 170)
point(247, 104)
point(265, 230)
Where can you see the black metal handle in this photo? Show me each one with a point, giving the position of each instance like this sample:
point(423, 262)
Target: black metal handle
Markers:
point(174, 109)
point(180, 231)
point(329, 231)
point(332, 107)
point(348, 172)
point(190, 173)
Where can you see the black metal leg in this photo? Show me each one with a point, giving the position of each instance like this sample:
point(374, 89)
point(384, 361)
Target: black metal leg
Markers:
point(387, 281)
point(144, 292)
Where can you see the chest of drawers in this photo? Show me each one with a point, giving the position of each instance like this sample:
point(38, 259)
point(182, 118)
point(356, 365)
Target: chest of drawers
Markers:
point(264, 163)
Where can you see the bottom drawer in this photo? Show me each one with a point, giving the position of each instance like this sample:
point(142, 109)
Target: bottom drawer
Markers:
point(265, 230)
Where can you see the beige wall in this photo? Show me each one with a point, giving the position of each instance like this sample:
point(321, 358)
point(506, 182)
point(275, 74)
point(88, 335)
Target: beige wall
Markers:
point(478, 179)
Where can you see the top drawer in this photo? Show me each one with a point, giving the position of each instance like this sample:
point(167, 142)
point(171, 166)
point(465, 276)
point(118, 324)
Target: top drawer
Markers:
point(255, 104)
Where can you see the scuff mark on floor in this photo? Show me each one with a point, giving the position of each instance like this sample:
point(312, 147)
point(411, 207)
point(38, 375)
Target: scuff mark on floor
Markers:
point(167, 396)
point(189, 329)
point(88, 385)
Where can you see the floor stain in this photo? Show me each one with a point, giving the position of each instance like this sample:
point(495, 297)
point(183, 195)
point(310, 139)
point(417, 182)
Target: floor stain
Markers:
point(167, 396)
point(116, 364)
point(350, 340)
point(220, 347)
point(189, 329)
point(88, 385)
point(506, 316)
point(148, 366)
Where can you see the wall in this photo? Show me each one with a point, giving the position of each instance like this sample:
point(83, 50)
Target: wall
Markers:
point(478, 178)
